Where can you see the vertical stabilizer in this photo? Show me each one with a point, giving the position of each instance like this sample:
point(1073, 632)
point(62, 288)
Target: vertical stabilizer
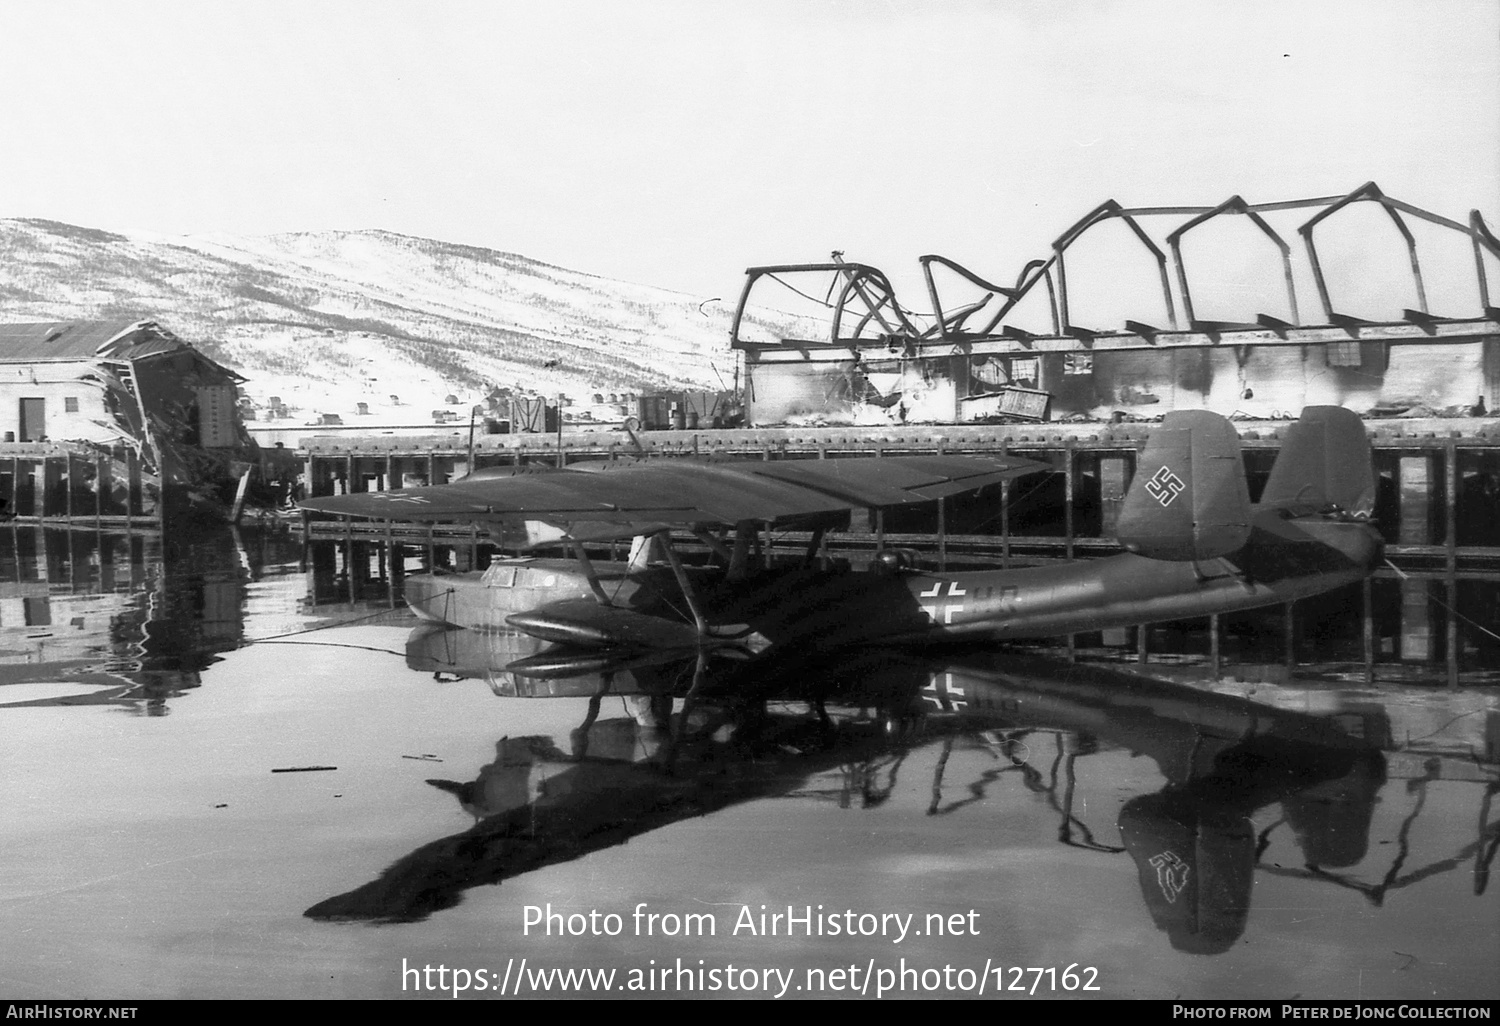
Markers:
point(1188, 499)
point(1324, 461)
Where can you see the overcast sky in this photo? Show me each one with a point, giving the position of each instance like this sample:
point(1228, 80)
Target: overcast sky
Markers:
point(675, 143)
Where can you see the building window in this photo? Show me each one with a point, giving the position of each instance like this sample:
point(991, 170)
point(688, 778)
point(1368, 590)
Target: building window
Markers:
point(1371, 357)
point(1343, 354)
point(1078, 363)
point(988, 373)
point(70, 404)
point(1023, 371)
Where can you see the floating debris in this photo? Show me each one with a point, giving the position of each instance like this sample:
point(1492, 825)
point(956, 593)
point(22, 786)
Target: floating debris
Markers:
point(303, 769)
point(423, 758)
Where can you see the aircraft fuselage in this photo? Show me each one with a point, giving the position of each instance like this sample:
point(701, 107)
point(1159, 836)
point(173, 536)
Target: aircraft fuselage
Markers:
point(1284, 560)
point(1127, 589)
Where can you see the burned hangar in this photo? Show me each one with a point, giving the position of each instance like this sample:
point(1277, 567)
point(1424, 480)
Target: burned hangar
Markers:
point(858, 355)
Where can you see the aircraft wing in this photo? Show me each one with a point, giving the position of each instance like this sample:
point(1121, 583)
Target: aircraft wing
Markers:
point(653, 493)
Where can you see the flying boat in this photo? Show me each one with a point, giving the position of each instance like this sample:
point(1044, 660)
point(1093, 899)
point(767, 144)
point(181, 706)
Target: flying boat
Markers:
point(1193, 543)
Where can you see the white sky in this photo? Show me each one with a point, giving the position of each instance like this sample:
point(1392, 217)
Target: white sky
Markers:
point(675, 143)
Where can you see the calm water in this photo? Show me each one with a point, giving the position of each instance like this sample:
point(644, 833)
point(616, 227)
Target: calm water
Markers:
point(932, 824)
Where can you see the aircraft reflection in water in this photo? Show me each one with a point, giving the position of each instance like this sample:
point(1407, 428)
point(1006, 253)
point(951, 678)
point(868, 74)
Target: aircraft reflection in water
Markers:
point(1194, 544)
point(1193, 842)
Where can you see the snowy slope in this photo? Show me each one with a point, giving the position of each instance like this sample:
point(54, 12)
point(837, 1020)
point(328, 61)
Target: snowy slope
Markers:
point(325, 320)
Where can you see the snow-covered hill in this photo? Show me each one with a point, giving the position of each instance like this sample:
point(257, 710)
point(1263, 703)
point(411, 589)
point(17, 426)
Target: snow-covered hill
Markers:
point(325, 320)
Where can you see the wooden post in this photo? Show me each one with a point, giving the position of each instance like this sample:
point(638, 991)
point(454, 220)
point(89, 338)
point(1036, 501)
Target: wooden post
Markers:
point(106, 563)
point(1452, 631)
point(1005, 523)
point(1450, 546)
point(1069, 469)
point(395, 566)
point(43, 562)
point(239, 497)
point(43, 474)
point(942, 533)
point(1214, 661)
point(385, 555)
point(132, 484)
point(1450, 503)
point(349, 561)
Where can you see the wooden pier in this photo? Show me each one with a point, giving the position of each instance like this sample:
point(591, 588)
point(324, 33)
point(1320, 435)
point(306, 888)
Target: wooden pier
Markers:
point(52, 483)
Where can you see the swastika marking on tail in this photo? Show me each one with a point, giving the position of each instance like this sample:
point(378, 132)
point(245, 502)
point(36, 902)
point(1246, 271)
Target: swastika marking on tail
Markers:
point(1165, 486)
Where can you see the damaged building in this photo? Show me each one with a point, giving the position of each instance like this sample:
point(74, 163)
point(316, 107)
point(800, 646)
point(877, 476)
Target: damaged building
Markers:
point(112, 418)
point(860, 356)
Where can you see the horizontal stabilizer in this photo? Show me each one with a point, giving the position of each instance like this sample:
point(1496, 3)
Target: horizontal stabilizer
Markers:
point(1188, 499)
point(1324, 461)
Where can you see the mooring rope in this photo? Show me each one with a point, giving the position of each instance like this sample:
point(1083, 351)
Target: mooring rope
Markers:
point(1477, 626)
point(308, 630)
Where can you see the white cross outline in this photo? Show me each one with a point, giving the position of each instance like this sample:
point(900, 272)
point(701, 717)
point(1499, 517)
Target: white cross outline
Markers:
point(947, 698)
point(393, 497)
point(954, 591)
point(1165, 486)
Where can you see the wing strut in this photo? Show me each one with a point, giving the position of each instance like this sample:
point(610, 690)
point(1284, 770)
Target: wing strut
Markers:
point(588, 571)
point(813, 545)
point(714, 543)
point(699, 621)
point(739, 563)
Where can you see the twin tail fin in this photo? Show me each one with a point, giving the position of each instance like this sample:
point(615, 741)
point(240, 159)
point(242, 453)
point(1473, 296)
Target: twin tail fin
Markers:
point(1188, 500)
point(1324, 463)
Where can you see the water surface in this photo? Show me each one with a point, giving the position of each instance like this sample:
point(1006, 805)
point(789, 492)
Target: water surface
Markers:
point(1160, 840)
